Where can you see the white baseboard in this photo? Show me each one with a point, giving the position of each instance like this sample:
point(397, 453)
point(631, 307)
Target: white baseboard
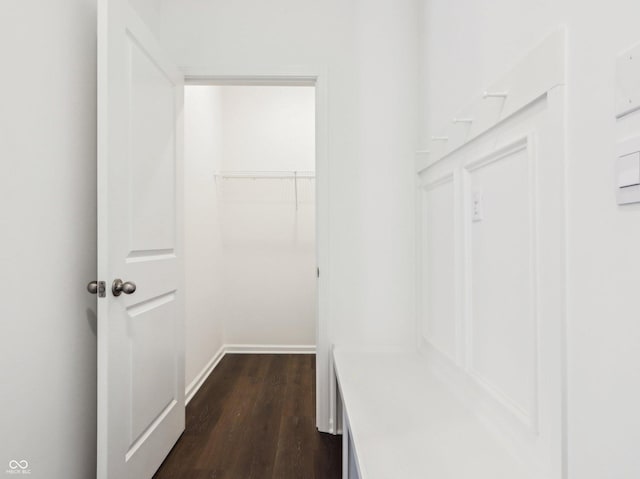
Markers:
point(269, 349)
point(197, 383)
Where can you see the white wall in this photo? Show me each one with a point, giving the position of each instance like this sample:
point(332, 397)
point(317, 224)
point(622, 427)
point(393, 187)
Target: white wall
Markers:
point(250, 254)
point(203, 243)
point(468, 44)
point(48, 241)
point(372, 89)
point(368, 50)
point(47, 139)
point(269, 274)
point(270, 268)
point(268, 128)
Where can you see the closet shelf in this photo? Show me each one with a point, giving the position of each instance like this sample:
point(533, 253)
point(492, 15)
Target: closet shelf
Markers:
point(269, 175)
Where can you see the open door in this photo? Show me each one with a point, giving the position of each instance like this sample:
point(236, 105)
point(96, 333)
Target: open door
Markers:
point(141, 410)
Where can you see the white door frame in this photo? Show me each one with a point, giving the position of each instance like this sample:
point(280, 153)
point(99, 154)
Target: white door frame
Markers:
point(316, 77)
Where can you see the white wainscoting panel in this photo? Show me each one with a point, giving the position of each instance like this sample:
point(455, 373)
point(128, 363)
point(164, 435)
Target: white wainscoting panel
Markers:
point(501, 256)
point(491, 275)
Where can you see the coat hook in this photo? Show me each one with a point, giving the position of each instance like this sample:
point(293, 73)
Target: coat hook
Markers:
point(495, 94)
point(462, 120)
point(439, 138)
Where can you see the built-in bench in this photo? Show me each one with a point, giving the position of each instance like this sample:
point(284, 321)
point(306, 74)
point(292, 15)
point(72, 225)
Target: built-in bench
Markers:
point(400, 421)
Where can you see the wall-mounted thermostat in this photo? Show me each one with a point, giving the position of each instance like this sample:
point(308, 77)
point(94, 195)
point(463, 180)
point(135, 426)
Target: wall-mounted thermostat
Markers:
point(628, 172)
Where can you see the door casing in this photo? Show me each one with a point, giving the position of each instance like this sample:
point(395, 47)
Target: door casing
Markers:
point(316, 77)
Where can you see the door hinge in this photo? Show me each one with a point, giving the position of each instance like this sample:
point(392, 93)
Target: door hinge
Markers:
point(318, 272)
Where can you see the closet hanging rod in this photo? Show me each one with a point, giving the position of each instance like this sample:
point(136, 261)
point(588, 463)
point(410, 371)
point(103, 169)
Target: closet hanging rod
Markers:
point(259, 175)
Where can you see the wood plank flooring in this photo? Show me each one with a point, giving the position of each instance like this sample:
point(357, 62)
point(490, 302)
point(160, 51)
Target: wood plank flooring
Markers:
point(254, 418)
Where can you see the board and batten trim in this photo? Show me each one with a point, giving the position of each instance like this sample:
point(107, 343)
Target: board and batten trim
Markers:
point(500, 153)
point(532, 119)
point(442, 180)
point(539, 72)
point(196, 384)
point(526, 143)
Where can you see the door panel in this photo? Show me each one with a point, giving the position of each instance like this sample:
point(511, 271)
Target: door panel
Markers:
point(151, 337)
point(152, 142)
point(141, 410)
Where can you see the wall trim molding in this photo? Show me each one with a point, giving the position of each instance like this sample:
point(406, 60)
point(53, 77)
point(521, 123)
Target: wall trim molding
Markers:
point(524, 142)
point(511, 148)
point(318, 75)
point(196, 384)
point(445, 179)
point(269, 349)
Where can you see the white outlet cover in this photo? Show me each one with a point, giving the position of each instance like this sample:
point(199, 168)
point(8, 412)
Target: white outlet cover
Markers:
point(476, 206)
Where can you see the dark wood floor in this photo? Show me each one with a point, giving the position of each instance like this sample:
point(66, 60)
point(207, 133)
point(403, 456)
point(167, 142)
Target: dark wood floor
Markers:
point(254, 417)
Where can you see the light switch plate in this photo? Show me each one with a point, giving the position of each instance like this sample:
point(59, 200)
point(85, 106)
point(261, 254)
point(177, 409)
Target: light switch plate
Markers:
point(629, 170)
point(627, 173)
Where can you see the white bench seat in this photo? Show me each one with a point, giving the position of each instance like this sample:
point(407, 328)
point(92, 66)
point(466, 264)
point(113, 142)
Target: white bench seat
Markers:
point(404, 423)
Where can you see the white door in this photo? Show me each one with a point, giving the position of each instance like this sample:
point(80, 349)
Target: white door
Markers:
point(141, 411)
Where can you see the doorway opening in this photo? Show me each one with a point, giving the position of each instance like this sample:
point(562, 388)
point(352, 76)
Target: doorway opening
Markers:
point(254, 234)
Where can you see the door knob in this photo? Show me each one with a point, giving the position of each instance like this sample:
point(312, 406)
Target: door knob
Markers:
point(92, 287)
point(97, 287)
point(118, 287)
